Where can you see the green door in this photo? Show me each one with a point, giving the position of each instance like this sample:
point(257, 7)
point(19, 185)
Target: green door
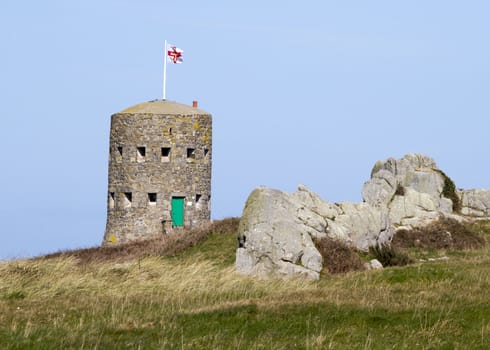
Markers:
point(177, 211)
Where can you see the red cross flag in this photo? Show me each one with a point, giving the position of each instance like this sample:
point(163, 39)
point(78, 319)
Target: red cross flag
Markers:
point(174, 54)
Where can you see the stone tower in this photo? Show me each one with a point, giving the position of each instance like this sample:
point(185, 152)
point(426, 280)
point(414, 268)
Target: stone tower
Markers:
point(159, 170)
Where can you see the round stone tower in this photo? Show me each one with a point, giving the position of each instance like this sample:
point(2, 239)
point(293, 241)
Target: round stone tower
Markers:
point(159, 170)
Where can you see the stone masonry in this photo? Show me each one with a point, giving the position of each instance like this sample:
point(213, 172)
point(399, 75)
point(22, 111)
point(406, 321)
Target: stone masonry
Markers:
point(160, 158)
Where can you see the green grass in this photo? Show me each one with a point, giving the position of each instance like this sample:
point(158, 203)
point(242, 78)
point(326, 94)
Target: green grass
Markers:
point(218, 248)
point(194, 300)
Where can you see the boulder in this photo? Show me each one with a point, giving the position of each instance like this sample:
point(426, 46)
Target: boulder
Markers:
point(373, 264)
point(275, 236)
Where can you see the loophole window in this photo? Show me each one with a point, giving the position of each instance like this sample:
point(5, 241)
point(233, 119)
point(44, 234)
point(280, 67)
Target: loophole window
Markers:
point(152, 198)
point(191, 153)
point(140, 154)
point(111, 199)
point(165, 156)
point(127, 199)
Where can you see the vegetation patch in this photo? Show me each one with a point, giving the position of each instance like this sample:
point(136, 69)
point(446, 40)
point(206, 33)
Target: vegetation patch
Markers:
point(219, 248)
point(169, 244)
point(400, 190)
point(449, 191)
point(444, 233)
point(415, 274)
point(388, 255)
point(16, 295)
point(193, 299)
point(338, 257)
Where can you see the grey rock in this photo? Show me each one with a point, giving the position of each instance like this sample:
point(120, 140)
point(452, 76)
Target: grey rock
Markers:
point(414, 171)
point(359, 224)
point(277, 230)
point(374, 264)
point(424, 180)
point(445, 205)
point(380, 189)
point(410, 188)
point(307, 198)
point(475, 202)
point(276, 237)
point(413, 204)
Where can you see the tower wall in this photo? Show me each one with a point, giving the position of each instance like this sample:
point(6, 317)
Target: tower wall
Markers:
point(155, 157)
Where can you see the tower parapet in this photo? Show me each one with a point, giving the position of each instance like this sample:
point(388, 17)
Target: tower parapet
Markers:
point(159, 170)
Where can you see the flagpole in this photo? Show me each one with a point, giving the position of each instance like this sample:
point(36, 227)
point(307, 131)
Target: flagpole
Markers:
point(165, 71)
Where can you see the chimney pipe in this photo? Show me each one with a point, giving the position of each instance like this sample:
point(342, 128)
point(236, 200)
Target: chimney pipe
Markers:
point(194, 104)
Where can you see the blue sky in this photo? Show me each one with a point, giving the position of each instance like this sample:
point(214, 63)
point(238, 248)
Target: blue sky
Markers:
point(310, 92)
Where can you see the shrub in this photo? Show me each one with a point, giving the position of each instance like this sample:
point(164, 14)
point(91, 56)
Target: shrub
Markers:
point(444, 233)
point(449, 191)
point(400, 190)
point(338, 257)
point(388, 255)
point(225, 226)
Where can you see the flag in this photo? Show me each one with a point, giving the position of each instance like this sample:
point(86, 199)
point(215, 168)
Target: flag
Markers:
point(174, 54)
point(171, 54)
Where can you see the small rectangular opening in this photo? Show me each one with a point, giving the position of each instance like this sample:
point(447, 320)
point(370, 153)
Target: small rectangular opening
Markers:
point(119, 154)
point(152, 198)
point(111, 199)
point(140, 153)
point(198, 198)
point(128, 199)
point(206, 151)
point(191, 153)
point(165, 154)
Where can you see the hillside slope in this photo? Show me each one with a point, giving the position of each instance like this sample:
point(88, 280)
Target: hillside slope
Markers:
point(147, 297)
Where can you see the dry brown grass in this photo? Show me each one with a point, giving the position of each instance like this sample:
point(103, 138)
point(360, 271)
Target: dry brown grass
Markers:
point(191, 301)
point(338, 257)
point(445, 233)
point(165, 245)
point(388, 255)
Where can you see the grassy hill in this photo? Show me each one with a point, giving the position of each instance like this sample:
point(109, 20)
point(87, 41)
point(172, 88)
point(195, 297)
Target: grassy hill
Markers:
point(181, 292)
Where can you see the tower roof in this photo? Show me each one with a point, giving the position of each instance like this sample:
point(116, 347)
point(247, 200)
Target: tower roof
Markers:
point(162, 107)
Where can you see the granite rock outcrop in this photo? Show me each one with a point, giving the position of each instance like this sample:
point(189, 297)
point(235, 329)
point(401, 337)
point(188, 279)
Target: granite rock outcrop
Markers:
point(277, 229)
